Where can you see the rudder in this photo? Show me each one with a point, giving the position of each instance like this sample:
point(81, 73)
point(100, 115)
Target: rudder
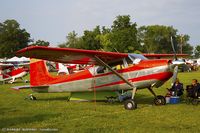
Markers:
point(39, 74)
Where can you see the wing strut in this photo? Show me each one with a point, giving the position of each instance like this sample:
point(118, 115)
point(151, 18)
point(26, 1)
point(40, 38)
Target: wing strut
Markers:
point(117, 74)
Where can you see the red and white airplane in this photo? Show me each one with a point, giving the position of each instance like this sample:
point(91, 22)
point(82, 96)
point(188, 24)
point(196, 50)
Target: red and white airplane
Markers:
point(111, 72)
point(10, 70)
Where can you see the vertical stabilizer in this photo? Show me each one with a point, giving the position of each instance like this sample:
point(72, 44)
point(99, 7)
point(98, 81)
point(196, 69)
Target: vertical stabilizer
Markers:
point(39, 74)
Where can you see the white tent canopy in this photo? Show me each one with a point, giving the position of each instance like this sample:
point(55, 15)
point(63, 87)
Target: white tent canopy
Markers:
point(17, 59)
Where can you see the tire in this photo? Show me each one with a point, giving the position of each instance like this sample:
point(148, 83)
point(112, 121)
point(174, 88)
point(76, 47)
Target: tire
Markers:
point(32, 97)
point(130, 104)
point(159, 100)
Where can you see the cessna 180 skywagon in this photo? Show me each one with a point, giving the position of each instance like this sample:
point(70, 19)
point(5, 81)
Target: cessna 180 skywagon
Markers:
point(110, 71)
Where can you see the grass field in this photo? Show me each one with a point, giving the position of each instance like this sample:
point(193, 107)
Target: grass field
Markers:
point(53, 112)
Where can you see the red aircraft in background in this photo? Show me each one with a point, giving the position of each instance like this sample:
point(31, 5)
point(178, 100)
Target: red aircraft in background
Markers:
point(111, 71)
point(13, 69)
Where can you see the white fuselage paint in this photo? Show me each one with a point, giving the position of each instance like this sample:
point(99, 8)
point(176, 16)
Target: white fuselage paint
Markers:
point(88, 84)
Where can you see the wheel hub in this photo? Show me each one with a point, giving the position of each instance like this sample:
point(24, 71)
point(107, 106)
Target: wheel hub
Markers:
point(159, 101)
point(129, 105)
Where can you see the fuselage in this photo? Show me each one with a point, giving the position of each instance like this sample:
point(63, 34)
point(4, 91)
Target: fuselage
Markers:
point(145, 74)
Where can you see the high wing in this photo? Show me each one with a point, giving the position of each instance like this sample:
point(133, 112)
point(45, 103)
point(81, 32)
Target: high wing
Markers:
point(70, 55)
point(159, 56)
point(80, 56)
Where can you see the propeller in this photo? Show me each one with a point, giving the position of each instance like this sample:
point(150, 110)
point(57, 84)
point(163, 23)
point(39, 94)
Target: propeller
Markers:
point(175, 74)
point(176, 61)
point(172, 43)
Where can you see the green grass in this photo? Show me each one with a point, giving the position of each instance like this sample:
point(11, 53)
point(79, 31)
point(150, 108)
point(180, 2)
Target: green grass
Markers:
point(53, 111)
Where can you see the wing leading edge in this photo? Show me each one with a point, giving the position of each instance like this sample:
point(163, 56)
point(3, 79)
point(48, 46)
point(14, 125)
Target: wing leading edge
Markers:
point(70, 55)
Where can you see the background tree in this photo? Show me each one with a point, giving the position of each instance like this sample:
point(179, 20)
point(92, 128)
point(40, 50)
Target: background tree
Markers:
point(12, 38)
point(123, 35)
point(62, 45)
point(41, 43)
point(157, 39)
point(91, 40)
point(72, 41)
point(183, 44)
point(197, 51)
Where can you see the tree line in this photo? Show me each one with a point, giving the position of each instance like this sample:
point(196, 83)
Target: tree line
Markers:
point(13, 38)
point(122, 36)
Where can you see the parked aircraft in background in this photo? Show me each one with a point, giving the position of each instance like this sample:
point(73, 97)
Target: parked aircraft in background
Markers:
point(14, 68)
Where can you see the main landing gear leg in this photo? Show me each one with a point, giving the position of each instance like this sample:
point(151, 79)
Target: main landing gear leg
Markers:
point(130, 104)
point(158, 100)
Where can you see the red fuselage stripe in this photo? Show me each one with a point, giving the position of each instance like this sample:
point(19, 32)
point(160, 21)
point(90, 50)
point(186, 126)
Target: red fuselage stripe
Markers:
point(157, 76)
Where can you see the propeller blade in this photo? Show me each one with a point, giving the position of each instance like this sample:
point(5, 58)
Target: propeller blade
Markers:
point(173, 48)
point(175, 74)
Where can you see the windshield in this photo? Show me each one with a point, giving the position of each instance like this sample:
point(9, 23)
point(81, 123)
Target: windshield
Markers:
point(137, 56)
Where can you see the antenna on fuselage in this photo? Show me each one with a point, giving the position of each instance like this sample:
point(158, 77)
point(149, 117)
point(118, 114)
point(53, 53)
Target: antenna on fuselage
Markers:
point(116, 50)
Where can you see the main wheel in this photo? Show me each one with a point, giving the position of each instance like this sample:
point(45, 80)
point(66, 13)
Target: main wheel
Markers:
point(159, 100)
point(130, 104)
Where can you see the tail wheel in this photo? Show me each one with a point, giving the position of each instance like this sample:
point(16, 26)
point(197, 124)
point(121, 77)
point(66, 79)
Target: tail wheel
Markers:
point(159, 100)
point(32, 97)
point(130, 104)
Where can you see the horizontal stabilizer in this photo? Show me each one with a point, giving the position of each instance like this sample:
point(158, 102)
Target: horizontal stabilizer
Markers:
point(21, 87)
point(27, 87)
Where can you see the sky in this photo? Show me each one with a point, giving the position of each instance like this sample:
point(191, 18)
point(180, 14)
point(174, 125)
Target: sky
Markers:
point(52, 20)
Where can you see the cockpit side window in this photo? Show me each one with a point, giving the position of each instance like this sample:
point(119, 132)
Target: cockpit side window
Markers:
point(120, 64)
point(101, 69)
point(129, 60)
